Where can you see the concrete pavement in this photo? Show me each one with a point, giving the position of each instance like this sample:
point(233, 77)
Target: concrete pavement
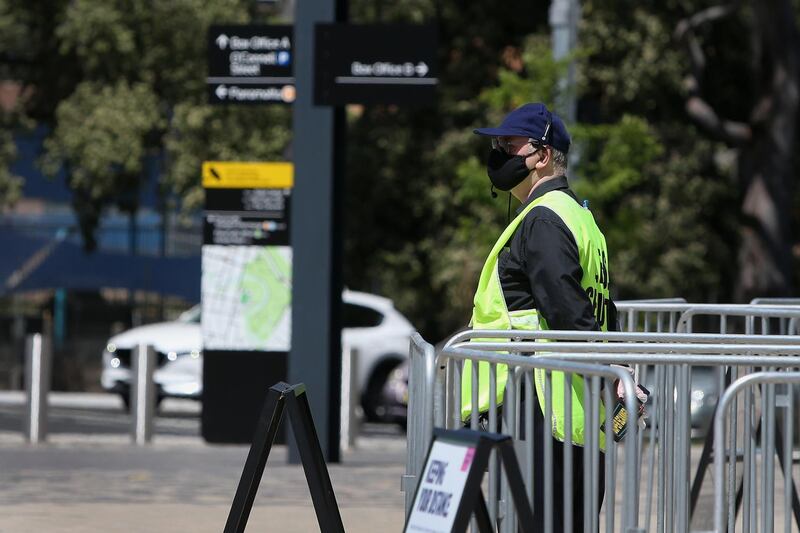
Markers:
point(98, 481)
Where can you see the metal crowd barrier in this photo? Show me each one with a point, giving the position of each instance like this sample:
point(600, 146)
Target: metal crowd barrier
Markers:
point(435, 387)
point(670, 442)
point(680, 317)
point(732, 489)
point(762, 316)
point(598, 381)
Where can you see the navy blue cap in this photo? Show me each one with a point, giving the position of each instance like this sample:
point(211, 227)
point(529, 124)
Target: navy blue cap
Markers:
point(532, 120)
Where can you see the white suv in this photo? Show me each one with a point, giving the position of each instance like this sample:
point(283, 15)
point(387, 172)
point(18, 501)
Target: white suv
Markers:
point(372, 326)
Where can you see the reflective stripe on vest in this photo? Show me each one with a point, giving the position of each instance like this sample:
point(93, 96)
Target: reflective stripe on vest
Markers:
point(490, 312)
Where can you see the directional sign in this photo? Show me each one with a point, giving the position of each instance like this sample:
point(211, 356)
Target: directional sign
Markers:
point(374, 64)
point(250, 64)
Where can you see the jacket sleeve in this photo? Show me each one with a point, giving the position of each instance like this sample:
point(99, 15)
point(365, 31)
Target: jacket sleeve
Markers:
point(553, 267)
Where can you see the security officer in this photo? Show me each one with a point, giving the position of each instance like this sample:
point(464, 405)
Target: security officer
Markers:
point(548, 270)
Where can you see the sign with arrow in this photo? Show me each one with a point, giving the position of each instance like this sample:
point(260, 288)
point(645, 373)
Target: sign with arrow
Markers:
point(374, 64)
point(250, 64)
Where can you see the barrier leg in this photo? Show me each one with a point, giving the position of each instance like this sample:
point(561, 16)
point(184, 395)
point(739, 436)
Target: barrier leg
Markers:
point(705, 456)
point(785, 459)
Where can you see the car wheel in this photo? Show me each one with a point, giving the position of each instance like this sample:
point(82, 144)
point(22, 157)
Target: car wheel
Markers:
point(126, 400)
point(373, 400)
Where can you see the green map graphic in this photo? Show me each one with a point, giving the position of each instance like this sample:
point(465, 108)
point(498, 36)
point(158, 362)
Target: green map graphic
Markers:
point(266, 293)
point(246, 296)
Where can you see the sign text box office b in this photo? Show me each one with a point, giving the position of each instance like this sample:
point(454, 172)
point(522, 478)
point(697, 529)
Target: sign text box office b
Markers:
point(375, 64)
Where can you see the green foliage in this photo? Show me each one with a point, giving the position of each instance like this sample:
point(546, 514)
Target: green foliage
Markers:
point(421, 220)
point(10, 185)
point(118, 80)
point(667, 220)
point(614, 157)
point(121, 80)
point(204, 133)
point(536, 82)
point(100, 134)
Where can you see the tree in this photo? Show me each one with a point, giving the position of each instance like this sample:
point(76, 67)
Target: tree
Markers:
point(663, 192)
point(763, 132)
point(121, 81)
point(676, 113)
point(10, 185)
point(413, 228)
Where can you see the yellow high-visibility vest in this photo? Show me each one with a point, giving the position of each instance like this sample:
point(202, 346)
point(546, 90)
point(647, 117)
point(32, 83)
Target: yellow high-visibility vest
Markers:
point(490, 312)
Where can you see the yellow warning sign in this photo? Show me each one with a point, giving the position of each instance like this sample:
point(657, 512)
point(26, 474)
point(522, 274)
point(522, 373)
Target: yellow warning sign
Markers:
point(247, 175)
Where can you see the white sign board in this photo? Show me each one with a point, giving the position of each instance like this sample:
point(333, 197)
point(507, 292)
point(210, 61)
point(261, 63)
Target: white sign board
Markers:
point(440, 488)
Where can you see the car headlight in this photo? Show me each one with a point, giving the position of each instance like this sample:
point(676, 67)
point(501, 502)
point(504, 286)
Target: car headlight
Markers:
point(697, 400)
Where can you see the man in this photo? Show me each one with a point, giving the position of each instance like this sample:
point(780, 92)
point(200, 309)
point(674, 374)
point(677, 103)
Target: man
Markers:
point(548, 270)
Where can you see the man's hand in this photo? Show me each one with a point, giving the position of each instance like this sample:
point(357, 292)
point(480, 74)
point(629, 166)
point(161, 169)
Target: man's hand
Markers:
point(642, 394)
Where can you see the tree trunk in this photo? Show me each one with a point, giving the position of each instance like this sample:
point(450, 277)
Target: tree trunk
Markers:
point(766, 172)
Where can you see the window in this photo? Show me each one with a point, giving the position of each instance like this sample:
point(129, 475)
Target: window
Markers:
point(358, 316)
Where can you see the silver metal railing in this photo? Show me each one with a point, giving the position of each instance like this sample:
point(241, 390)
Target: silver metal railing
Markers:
point(679, 317)
point(775, 301)
point(729, 442)
point(419, 425)
point(671, 362)
point(518, 411)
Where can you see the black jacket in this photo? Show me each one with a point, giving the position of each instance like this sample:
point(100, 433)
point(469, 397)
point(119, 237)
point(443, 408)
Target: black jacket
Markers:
point(541, 268)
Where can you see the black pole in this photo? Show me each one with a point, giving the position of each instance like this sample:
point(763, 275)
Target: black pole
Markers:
point(315, 356)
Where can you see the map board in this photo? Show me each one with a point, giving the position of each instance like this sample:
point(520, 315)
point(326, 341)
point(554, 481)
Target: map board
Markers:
point(246, 283)
point(247, 294)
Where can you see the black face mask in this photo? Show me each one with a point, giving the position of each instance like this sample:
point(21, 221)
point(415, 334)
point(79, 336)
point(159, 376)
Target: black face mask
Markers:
point(506, 171)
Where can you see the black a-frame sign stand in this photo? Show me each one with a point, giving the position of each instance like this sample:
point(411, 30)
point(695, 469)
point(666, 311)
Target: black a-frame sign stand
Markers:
point(294, 399)
point(471, 502)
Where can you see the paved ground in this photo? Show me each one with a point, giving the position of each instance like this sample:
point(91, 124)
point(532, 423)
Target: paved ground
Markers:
point(88, 477)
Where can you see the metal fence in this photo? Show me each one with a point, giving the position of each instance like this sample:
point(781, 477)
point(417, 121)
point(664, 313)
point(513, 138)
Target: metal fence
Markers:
point(675, 317)
point(760, 439)
point(666, 361)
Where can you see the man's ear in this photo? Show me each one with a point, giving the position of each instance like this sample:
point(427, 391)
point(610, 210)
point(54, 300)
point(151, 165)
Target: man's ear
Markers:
point(545, 156)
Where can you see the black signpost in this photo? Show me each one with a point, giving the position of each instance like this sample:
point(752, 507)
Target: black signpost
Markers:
point(316, 354)
point(250, 64)
point(449, 491)
point(375, 64)
point(246, 292)
point(331, 64)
